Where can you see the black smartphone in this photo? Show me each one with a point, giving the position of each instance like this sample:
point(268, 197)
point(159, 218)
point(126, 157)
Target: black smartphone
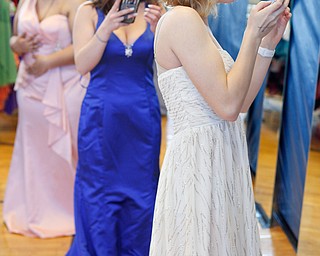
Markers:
point(129, 4)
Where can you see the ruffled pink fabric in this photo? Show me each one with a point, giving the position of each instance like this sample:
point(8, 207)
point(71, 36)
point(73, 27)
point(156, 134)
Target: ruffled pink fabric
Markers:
point(50, 86)
point(59, 131)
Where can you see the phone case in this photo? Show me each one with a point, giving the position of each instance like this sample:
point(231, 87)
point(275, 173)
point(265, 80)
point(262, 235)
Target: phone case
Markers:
point(129, 4)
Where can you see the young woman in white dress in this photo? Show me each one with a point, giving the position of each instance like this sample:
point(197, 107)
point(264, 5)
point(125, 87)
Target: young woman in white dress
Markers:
point(204, 203)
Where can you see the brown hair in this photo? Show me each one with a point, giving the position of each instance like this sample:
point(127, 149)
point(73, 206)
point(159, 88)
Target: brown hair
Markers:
point(203, 7)
point(106, 5)
point(103, 5)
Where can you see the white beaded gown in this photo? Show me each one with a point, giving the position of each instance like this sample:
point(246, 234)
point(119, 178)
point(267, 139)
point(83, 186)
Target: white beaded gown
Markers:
point(204, 204)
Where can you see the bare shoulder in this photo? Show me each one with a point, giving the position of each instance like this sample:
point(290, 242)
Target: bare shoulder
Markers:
point(86, 8)
point(184, 12)
point(179, 34)
point(86, 16)
point(183, 15)
point(182, 20)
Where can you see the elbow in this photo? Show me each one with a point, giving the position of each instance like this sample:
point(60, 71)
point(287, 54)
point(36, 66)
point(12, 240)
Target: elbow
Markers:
point(230, 113)
point(82, 65)
point(81, 71)
point(245, 108)
point(80, 68)
point(231, 117)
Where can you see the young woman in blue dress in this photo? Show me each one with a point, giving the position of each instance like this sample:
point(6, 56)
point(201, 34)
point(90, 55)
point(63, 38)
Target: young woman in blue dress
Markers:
point(119, 130)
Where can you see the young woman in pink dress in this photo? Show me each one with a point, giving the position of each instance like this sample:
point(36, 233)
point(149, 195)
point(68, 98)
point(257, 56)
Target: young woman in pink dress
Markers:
point(39, 194)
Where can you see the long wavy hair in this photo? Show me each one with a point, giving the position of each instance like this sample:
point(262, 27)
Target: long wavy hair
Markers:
point(203, 7)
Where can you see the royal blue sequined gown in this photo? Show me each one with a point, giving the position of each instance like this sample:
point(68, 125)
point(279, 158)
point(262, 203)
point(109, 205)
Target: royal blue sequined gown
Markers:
point(119, 144)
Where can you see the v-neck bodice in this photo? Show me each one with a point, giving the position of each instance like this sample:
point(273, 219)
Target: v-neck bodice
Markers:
point(101, 17)
point(137, 39)
point(116, 67)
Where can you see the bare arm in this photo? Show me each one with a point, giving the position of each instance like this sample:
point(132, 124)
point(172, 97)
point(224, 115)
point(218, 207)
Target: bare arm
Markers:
point(190, 42)
point(263, 63)
point(89, 44)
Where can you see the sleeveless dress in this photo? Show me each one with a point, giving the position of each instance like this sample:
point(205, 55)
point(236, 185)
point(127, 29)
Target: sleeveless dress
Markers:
point(204, 204)
point(39, 194)
point(119, 144)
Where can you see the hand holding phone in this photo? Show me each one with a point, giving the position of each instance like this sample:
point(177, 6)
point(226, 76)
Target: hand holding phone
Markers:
point(129, 4)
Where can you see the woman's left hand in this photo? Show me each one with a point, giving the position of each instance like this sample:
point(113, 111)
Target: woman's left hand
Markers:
point(152, 15)
point(39, 66)
point(271, 40)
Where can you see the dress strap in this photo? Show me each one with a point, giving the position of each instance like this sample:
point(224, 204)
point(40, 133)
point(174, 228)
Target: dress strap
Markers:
point(215, 41)
point(101, 17)
point(158, 29)
point(160, 69)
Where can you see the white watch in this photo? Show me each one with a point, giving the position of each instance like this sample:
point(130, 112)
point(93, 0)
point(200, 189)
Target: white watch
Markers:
point(267, 53)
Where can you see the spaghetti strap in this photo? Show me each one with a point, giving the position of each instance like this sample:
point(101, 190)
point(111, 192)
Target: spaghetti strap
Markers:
point(160, 69)
point(157, 31)
point(214, 40)
point(101, 17)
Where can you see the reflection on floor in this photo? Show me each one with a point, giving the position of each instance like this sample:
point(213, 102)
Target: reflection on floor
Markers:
point(266, 166)
point(315, 141)
point(309, 242)
point(272, 108)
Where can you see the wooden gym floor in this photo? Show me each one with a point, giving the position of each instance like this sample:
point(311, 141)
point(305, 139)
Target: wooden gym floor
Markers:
point(273, 241)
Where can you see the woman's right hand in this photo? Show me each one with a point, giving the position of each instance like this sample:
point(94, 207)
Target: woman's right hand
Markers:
point(114, 18)
point(23, 44)
point(264, 17)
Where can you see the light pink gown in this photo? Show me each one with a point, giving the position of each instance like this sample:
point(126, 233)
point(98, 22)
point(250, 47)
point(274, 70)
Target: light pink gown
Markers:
point(39, 195)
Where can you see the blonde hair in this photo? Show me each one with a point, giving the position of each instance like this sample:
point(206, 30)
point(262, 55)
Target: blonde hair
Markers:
point(203, 7)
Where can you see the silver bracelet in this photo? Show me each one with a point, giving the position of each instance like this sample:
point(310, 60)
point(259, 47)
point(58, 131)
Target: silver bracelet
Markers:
point(99, 39)
point(266, 53)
